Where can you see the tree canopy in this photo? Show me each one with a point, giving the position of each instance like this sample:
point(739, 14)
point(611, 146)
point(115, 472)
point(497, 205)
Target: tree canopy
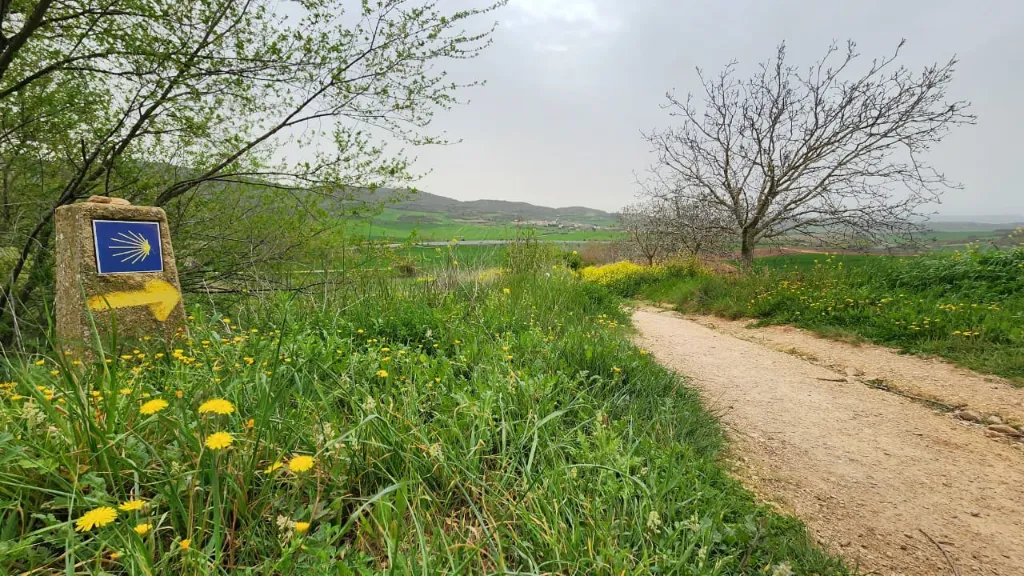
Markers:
point(824, 151)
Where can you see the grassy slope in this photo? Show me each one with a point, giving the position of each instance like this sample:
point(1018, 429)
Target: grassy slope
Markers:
point(491, 428)
point(964, 307)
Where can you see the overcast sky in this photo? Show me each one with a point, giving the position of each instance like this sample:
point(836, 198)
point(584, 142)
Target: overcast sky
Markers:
point(570, 83)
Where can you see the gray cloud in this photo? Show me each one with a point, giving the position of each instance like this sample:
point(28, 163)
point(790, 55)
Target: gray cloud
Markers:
point(570, 83)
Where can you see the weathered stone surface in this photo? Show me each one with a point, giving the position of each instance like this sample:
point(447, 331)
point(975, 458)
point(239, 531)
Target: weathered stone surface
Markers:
point(143, 303)
point(108, 200)
point(969, 415)
point(1002, 429)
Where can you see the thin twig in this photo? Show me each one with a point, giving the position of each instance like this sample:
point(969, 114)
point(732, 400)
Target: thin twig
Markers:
point(944, 555)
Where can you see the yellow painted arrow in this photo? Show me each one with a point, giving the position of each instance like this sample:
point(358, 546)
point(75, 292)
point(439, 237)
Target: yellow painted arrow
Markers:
point(161, 297)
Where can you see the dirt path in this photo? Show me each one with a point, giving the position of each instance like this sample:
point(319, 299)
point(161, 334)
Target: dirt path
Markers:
point(886, 481)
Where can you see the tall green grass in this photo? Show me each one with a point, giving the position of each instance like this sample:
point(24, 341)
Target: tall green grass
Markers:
point(505, 427)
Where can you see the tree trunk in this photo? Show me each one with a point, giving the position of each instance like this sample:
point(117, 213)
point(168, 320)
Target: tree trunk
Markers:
point(747, 243)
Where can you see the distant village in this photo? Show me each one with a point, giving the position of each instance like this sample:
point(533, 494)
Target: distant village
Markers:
point(559, 224)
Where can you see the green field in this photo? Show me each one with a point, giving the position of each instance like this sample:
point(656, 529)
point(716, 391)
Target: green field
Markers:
point(504, 426)
point(400, 225)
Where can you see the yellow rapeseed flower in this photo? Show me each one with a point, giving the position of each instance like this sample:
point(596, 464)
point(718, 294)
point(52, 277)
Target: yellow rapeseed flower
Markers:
point(132, 505)
point(219, 440)
point(96, 517)
point(153, 406)
point(301, 463)
point(217, 406)
point(301, 527)
point(142, 529)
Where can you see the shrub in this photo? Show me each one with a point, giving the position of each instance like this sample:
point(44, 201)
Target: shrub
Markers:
point(624, 278)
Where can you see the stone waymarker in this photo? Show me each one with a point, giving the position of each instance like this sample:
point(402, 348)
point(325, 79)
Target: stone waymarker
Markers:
point(115, 258)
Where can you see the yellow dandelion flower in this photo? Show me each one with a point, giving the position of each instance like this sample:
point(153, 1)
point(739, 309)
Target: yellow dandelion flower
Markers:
point(185, 543)
point(153, 406)
point(217, 406)
point(273, 467)
point(142, 529)
point(219, 440)
point(115, 555)
point(178, 393)
point(301, 463)
point(132, 505)
point(125, 391)
point(382, 373)
point(40, 362)
point(301, 527)
point(96, 517)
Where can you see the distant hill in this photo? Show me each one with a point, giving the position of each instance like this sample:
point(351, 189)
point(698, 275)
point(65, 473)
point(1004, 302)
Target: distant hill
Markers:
point(500, 210)
point(493, 211)
point(975, 222)
point(431, 217)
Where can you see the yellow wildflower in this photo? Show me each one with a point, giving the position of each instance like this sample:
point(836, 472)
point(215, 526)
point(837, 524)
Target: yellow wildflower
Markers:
point(301, 527)
point(185, 543)
point(301, 463)
point(219, 440)
point(96, 517)
point(217, 406)
point(382, 373)
point(142, 529)
point(153, 406)
point(273, 467)
point(132, 505)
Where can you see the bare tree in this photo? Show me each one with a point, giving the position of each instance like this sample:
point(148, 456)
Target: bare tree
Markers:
point(696, 229)
point(643, 226)
point(823, 151)
point(661, 227)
